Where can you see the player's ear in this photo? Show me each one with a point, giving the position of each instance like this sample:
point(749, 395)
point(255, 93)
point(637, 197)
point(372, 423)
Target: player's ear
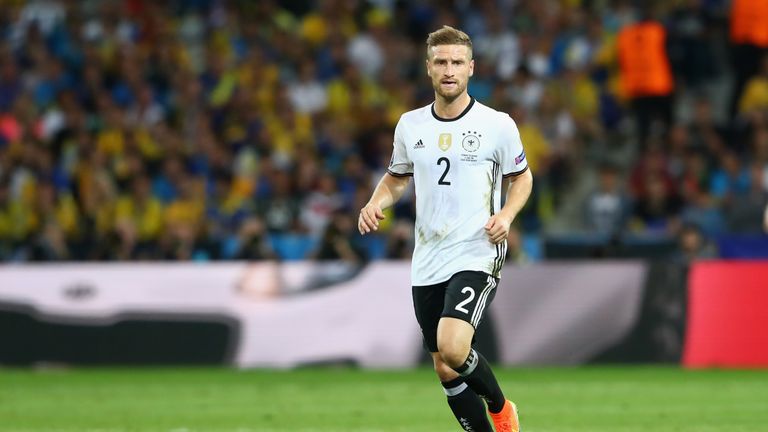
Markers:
point(471, 67)
point(427, 63)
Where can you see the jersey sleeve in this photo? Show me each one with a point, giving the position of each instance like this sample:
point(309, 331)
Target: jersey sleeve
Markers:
point(510, 151)
point(400, 164)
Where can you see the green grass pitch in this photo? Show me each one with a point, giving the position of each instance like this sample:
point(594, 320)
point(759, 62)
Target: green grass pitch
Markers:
point(591, 399)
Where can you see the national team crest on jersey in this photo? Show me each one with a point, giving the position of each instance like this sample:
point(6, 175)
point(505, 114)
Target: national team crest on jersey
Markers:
point(471, 141)
point(444, 141)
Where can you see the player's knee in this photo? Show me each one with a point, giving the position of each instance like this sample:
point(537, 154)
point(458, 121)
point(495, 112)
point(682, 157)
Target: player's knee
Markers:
point(444, 372)
point(453, 354)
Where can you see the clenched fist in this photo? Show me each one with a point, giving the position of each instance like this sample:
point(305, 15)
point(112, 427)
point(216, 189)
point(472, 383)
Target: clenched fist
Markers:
point(497, 228)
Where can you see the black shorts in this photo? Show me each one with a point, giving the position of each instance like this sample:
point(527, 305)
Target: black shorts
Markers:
point(465, 296)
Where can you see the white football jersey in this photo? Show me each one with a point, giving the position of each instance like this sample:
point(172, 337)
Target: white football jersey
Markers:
point(457, 167)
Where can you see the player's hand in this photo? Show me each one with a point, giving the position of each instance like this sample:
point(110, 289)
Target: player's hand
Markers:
point(370, 215)
point(497, 228)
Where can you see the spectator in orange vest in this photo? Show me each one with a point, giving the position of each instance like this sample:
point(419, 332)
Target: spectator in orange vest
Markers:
point(646, 75)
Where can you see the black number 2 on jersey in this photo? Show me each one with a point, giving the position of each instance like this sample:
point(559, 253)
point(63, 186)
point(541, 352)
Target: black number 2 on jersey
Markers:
point(447, 168)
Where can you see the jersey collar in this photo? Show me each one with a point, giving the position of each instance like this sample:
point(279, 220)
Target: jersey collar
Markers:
point(466, 110)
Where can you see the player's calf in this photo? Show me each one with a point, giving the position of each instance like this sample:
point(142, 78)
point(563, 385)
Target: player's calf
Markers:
point(479, 376)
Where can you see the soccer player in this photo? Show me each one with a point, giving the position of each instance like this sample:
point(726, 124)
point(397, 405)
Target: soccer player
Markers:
point(461, 155)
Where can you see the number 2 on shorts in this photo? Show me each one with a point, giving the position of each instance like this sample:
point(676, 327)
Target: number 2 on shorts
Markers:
point(460, 307)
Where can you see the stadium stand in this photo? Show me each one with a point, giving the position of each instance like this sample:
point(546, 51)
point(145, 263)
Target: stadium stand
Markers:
point(217, 130)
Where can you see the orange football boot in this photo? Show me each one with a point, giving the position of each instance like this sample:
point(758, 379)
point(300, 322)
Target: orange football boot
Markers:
point(506, 420)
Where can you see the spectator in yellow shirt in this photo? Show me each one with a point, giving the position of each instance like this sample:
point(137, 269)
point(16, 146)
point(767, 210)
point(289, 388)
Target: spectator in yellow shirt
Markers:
point(755, 95)
point(142, 211)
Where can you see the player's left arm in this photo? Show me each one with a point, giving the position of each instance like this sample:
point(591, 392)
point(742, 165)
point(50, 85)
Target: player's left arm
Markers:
point(518, 189)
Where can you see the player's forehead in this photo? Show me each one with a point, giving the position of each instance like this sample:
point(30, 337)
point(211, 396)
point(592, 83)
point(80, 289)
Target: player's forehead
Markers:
point(449, 52)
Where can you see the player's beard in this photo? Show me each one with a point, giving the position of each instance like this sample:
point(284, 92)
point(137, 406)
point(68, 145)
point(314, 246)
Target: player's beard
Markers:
point(451, 95)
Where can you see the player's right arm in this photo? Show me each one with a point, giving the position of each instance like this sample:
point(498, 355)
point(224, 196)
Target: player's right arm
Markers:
point(391, 186)
point(387, 192)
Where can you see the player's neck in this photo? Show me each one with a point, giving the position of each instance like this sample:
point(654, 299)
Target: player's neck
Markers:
point(448, 109)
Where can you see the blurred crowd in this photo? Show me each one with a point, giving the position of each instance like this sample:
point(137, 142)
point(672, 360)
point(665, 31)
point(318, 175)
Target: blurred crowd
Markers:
point(214, 129)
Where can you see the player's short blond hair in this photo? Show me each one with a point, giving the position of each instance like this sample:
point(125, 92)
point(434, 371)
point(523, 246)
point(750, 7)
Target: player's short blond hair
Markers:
point(448, 36)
